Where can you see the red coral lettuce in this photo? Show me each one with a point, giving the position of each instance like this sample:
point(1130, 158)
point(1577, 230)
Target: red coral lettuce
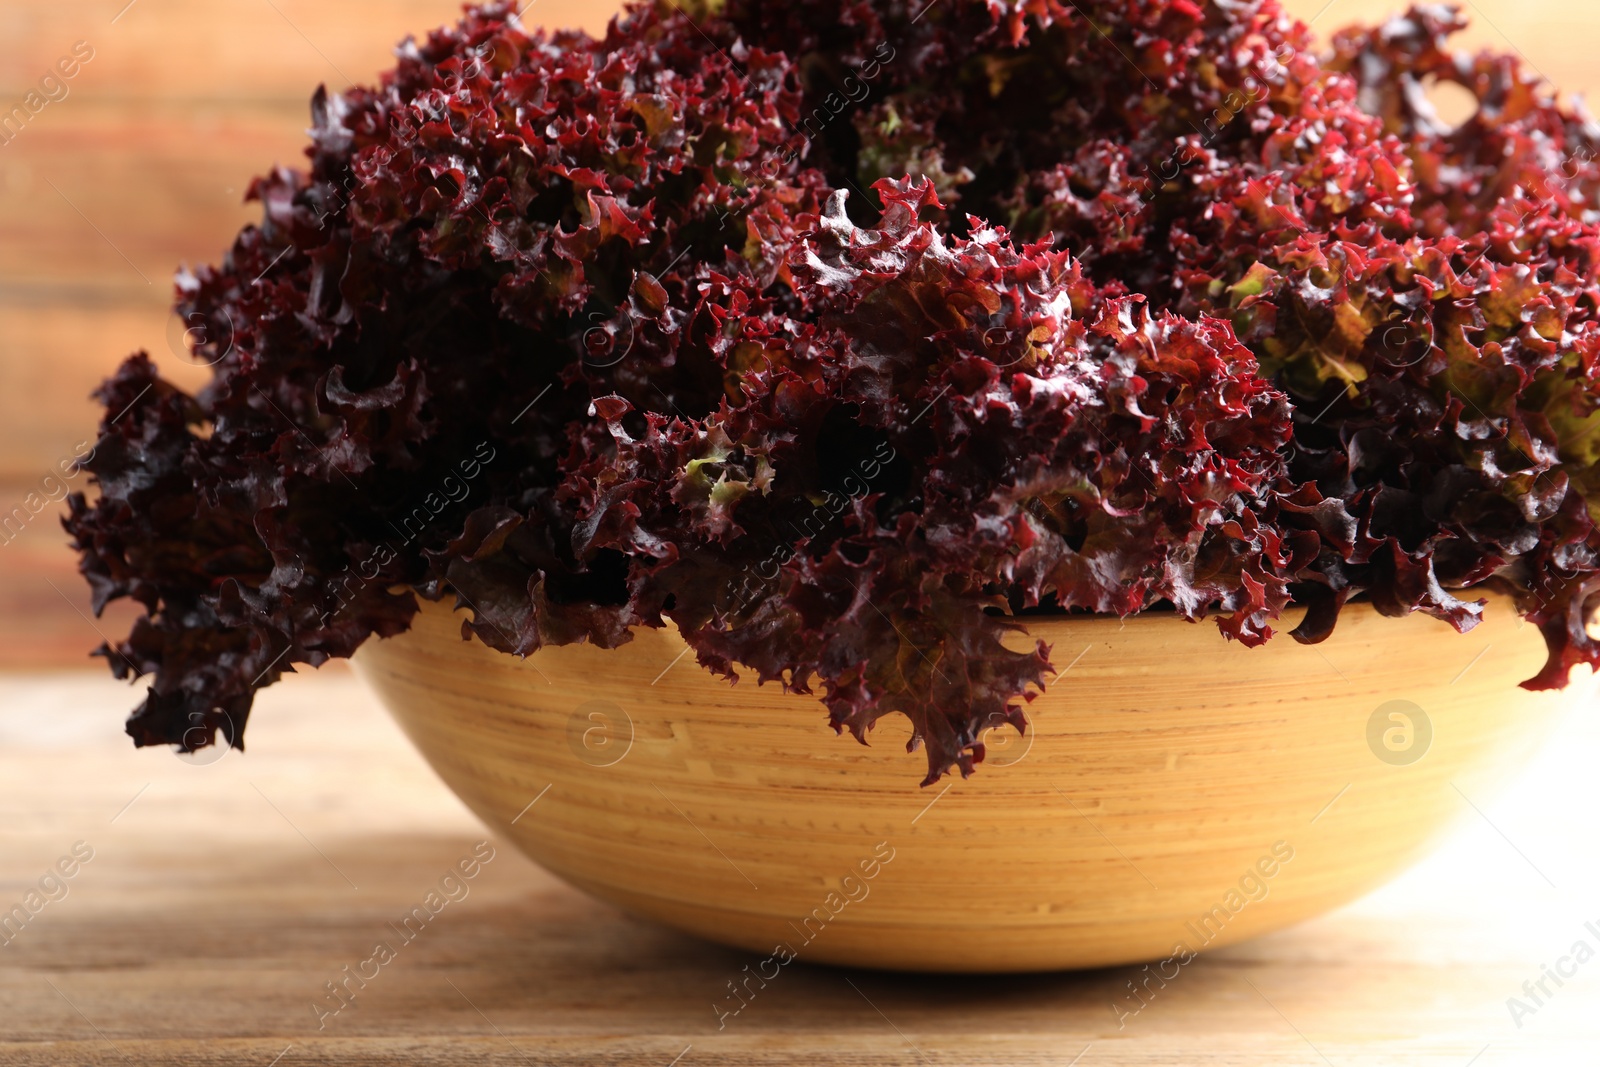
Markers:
point(845, 334)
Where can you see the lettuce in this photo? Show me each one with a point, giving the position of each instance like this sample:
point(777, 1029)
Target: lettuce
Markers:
point(848, 335)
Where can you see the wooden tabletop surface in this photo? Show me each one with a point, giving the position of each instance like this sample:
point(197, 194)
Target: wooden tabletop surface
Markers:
point(221, 898)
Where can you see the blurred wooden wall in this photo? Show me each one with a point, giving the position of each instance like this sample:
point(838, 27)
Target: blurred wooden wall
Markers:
point(140, 167)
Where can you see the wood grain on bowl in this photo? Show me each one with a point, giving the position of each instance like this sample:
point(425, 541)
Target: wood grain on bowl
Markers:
point(1176, 792)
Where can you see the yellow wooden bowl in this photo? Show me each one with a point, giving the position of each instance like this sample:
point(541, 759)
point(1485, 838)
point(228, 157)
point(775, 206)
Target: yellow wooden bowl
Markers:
point(1176, 791)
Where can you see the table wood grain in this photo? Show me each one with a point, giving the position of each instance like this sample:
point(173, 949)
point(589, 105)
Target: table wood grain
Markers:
point(221, 898)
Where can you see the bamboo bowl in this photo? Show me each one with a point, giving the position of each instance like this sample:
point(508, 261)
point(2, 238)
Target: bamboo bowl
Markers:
point(1176, 791)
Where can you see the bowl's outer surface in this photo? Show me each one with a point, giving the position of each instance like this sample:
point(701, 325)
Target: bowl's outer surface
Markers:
point(1165, 771)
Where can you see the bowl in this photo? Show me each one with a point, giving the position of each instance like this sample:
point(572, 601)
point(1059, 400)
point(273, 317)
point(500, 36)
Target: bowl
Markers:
point(1176, 792)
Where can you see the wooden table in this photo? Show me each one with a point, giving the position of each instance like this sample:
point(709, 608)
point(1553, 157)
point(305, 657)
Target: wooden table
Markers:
point(222, 897)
